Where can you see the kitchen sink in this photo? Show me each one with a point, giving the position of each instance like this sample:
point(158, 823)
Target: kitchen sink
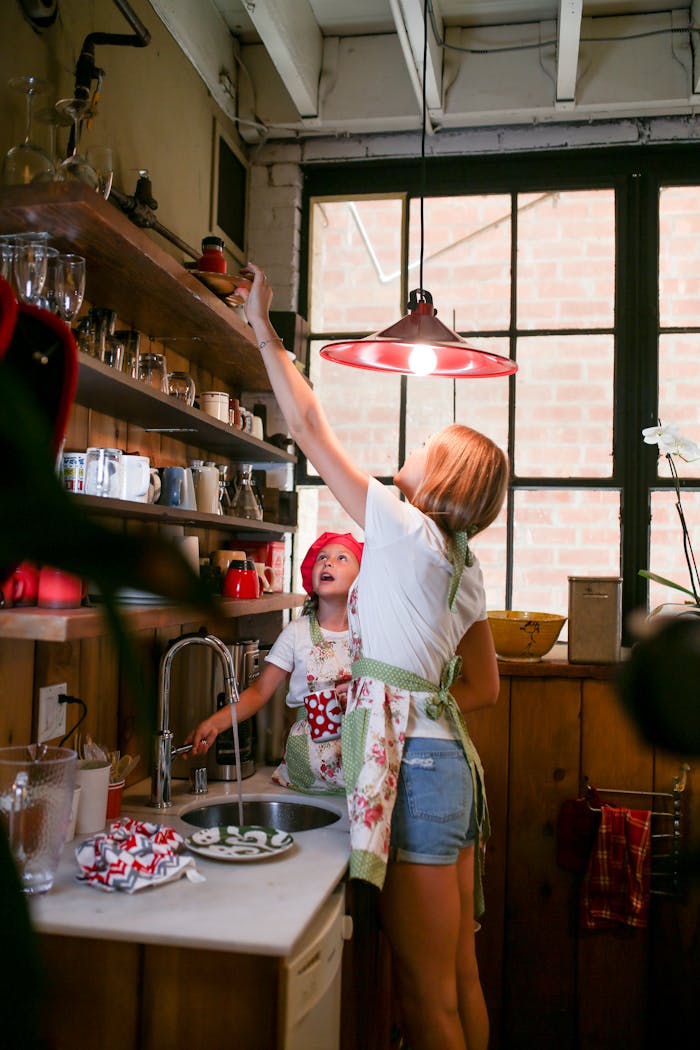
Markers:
point(273, 813)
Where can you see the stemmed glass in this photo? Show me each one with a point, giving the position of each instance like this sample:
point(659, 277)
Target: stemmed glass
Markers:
point(31, 259)
point(75, 166)
point(69, 285)
point(26, 161)
point(100, 158)
point(53, 120)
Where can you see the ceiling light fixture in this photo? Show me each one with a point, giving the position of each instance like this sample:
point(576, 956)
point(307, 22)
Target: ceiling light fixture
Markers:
point(419, 344)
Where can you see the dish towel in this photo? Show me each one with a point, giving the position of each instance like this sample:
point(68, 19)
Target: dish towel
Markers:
point(133, 855)
point(615, 888)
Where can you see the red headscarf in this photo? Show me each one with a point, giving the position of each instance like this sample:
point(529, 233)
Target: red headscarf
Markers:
point(345, 539)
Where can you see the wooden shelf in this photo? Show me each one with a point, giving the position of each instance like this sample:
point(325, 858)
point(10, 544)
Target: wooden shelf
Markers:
point(67, 625)
point(115, 394)
point(128, 271)
point(162, 515)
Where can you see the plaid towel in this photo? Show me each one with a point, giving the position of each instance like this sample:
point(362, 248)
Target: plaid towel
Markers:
point(133, 855)
point(615, 888)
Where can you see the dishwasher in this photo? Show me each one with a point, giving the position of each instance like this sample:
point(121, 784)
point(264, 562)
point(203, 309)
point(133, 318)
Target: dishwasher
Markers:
point(311, 986)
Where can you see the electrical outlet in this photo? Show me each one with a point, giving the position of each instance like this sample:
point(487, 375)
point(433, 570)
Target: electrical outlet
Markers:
point(52, 715)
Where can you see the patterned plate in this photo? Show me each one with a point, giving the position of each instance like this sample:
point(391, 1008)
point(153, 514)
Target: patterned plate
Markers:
point(247, 842)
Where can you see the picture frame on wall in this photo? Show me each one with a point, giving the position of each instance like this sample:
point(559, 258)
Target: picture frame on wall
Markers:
point(229, 193)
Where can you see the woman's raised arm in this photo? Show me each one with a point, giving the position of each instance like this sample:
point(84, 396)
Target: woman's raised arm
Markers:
point(307, 422)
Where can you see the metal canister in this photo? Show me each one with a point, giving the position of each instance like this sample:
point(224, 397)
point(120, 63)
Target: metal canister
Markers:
point(595, 619)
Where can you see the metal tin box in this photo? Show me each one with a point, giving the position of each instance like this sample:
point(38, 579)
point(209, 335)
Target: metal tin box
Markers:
point(595, 619)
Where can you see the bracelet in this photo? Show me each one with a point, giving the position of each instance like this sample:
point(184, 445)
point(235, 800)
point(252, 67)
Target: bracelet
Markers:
point(268, 342)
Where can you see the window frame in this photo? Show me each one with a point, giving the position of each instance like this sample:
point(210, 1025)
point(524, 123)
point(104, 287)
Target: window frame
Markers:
point(636, 175)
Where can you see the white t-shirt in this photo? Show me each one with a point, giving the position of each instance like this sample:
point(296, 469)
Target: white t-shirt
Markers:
point(291, 653)
point(404, 583)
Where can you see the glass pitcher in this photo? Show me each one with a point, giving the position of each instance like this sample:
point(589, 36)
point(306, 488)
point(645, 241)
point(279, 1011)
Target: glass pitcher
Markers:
point(246, 501)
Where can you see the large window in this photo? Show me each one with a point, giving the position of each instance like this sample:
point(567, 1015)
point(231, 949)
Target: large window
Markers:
point(559, 264)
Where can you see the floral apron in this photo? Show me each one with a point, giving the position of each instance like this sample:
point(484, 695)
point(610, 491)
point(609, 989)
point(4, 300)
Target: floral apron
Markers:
point(312, 765)
point(374, 732)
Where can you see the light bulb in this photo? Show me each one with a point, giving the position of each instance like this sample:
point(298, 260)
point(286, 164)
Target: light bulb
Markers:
point(422, 360)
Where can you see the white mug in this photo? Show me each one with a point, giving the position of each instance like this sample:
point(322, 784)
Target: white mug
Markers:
point(136, 477)
point(154, 485)
point(93, 777)
point(206, 487)
point(266, 576)
point(74, 471)
point(215, 403)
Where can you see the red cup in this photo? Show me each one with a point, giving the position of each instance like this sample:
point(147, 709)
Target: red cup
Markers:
point(22, 586)
point(240, 581)
point(324, 712)
point(59, 589)
point(114, 799)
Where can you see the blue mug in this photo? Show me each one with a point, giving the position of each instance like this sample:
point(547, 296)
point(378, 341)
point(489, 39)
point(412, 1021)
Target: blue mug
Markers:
point(172, 486)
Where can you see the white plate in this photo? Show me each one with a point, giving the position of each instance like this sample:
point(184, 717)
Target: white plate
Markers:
point(247, 842)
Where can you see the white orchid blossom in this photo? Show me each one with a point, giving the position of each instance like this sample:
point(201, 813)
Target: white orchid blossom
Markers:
point(671, 442)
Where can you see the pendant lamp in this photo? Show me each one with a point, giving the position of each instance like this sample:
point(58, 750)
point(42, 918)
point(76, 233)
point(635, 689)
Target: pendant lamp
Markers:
point(419, 344)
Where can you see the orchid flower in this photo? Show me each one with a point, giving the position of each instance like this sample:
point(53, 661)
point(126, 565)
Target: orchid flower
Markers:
point(671, 443)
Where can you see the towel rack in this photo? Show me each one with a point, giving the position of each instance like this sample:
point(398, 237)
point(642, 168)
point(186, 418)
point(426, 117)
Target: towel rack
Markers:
point(665, 869)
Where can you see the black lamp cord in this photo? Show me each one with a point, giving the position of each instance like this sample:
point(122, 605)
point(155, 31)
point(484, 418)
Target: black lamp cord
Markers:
point(422, 141)
point(64, 699)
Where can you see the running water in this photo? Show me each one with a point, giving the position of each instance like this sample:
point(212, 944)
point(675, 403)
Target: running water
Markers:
point(237, 749)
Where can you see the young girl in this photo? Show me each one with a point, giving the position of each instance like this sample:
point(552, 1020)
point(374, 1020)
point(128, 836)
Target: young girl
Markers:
point(422, 657)
point(313, 655)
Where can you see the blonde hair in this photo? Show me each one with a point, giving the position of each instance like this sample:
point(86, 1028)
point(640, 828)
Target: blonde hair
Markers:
point(464, 482)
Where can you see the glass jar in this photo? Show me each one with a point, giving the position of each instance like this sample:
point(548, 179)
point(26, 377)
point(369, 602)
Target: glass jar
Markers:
point(246, 501)
point(212, 257)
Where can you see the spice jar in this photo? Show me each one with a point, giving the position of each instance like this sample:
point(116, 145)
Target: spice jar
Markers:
point(212, 257)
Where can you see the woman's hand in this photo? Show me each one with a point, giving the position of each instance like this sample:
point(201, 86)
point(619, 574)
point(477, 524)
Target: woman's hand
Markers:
point(257, 308)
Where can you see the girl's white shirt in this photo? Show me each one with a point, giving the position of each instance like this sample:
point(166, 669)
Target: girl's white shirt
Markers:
point(291, 653)
point(403, 585)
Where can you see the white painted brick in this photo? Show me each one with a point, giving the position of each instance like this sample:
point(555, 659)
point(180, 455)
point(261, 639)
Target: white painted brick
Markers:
point(286, 175)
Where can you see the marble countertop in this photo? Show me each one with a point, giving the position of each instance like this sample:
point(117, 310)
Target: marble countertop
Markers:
point(260, 908)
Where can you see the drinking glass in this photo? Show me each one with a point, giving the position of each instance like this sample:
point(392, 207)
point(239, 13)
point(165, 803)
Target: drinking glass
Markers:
point(53, 120)
point(7, 256)
point(181, 386)
point(30, 265)
point(100, 158)
point(153, 370)
point(76, 166)
point(131, 341)
point(26, 161)
point(69, 285)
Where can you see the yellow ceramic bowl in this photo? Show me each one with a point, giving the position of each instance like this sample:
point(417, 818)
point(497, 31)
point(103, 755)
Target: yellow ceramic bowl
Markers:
point(524, 635)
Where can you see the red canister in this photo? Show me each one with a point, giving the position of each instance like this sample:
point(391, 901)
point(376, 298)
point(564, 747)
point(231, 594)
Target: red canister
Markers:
point(212, 257)
point(241, 581)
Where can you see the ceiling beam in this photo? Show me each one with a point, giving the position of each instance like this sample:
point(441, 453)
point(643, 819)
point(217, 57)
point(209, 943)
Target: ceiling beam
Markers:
point(568, 41)
point(293, 40)
point(408, 18)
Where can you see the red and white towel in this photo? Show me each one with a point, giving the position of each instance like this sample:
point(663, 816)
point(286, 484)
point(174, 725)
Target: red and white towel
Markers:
point(134, 854)
point(615, 888)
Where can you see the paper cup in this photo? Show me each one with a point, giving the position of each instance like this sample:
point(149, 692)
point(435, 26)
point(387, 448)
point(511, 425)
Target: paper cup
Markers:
point(114, 800)
point(93, 778)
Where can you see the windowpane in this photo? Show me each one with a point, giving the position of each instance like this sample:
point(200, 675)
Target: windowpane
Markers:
point(666, 547)
point(560, 533)
point(466, 264)
point(564, 406)
point(679, 256)
point(483, 403)
point(566, 259)
point(363, 409)
point(679, 393)
point(489, 547)
point(355, 275)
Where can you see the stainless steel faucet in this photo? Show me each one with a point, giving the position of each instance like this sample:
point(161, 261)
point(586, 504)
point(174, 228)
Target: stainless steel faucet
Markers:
point(163, 750)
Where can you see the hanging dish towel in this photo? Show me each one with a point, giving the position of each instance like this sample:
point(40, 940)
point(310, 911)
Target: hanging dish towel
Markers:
point(615, 888)
point(133, 855)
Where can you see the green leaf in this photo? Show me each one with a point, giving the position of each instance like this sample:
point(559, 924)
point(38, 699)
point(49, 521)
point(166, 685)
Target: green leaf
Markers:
point(666, 583)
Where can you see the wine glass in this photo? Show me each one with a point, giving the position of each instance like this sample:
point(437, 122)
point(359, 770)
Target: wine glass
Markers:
point(69, 285)
point(31, 260)
point(100, 158)
point(53, 120)
point(76, 166)
point(26, 161)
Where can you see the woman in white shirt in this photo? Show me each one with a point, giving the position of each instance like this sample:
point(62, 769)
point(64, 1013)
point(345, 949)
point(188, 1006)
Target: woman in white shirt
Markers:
point(422, 657)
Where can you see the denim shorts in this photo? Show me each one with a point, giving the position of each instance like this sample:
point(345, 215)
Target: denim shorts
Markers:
point(433, 818)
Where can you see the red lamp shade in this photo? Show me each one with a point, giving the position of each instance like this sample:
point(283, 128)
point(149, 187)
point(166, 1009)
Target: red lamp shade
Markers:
point(421, 345)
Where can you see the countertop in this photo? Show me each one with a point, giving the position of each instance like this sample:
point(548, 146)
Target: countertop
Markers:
point(259, 908)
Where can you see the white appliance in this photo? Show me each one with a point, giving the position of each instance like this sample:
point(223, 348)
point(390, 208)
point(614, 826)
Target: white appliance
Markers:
point(312, 981)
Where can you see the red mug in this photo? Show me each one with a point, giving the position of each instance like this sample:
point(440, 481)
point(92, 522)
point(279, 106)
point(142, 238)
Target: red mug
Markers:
point(59, 589)
point(241, 581)
point(22, 586)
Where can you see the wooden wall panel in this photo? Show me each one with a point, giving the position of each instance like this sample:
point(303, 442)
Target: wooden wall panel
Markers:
point(16, 691)
point(56, 663)
point(539, 983)
point(489, 729)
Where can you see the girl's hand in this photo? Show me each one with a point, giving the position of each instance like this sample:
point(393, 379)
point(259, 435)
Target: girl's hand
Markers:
point(202, 737)
point(258, 305)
